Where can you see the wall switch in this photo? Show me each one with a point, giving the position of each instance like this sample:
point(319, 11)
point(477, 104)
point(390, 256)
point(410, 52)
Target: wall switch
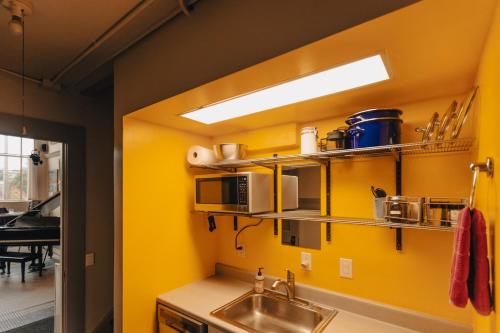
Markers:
point(90, 259)
point(346, 268)
point(242, 251)
point(306, 261)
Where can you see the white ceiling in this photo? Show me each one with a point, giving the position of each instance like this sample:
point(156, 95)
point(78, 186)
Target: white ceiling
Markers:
point(59, 30)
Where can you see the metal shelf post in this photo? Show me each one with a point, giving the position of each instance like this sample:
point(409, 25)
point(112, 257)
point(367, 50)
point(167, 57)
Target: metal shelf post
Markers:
point(399, 191)
point(275, 196)
point(328, 201)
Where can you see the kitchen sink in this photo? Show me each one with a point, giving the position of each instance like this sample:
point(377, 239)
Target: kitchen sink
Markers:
point(272, 312)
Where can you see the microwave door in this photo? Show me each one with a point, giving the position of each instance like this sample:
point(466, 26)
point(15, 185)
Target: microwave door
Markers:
point(218, 194)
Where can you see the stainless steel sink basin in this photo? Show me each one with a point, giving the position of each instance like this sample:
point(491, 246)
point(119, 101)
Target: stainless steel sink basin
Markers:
point(272, 312)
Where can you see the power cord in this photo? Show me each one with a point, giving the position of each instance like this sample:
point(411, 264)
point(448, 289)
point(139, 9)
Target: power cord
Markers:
point(241, 230)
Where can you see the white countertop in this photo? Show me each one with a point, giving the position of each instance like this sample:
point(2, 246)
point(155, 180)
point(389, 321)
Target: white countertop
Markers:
point(200, 298)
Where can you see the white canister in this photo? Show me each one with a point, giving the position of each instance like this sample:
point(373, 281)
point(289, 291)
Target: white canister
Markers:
point(309, 140)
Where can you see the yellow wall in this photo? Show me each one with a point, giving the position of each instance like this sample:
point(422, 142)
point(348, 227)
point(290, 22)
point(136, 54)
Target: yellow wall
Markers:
point(183, 251)
point(156, 178)
point(489, 145)
point(164, 245)
point(416, 278)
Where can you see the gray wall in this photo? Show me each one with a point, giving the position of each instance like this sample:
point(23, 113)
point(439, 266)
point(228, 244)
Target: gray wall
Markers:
point(221, 37)
point(97, 118)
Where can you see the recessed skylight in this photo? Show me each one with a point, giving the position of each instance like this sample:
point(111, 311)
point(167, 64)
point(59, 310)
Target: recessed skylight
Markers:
point(352, 75)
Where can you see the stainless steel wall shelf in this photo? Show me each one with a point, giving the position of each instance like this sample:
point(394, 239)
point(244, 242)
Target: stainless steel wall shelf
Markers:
point(315, 216)
point(416, 148)
point(298, 160)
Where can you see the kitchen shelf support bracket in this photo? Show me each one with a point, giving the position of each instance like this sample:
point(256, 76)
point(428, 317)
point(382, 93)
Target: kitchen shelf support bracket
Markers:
point(399, 191)
point(275, 196)
point(328, 200)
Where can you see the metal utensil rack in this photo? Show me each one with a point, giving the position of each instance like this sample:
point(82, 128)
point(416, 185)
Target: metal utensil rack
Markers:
point(299, 160)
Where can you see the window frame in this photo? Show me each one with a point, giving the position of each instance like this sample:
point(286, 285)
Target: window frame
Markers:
point(5, 155)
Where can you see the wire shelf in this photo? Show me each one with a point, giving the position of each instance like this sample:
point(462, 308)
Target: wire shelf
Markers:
point(315, 216)
point(295, 160)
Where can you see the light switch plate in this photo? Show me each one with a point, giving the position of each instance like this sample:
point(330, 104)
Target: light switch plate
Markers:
point(90, 259)
point(345, 268)
point(306, 261)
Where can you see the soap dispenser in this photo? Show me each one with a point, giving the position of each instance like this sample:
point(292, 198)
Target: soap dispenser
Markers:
point(259, 282)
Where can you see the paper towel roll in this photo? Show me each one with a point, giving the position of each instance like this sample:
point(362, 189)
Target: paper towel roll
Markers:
point(198, 155)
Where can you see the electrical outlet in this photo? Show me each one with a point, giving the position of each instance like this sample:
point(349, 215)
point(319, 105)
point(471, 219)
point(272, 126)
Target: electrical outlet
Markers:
point(242, 251)
point(306, 261)
point(345, 268)
point(90, 259)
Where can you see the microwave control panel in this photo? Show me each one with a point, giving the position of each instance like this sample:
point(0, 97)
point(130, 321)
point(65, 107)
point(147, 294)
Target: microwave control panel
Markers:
point(243, 190)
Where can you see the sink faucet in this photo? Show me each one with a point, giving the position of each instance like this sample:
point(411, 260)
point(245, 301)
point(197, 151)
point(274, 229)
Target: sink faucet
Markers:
point(289, 284)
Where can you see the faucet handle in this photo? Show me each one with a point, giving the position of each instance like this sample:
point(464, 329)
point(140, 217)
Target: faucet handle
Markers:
point(289, 274)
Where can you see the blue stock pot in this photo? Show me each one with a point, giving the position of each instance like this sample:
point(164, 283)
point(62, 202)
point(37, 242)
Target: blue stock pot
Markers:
point(375, 132)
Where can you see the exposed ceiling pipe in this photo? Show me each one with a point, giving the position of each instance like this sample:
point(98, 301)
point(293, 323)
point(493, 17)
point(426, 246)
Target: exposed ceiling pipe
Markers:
point(186, 6)
point(110, 32)
point(129, 16)
point(19, 75)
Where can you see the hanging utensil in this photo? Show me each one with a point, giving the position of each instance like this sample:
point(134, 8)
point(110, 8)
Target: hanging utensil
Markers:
point(211, 223)
point(378, 192)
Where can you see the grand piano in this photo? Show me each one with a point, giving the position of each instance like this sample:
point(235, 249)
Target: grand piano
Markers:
point(34, 229)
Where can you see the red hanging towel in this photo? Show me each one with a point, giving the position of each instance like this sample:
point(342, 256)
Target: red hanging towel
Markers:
point(479, 275)
point(460, 261)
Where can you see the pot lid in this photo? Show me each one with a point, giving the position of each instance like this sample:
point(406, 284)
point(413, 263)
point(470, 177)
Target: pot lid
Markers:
point(374, 110)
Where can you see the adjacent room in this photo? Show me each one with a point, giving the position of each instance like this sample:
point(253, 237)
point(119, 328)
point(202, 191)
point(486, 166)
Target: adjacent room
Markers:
point(30, 251)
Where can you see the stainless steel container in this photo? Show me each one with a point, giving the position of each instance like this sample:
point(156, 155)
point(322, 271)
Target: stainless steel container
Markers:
point(336, 139)
point(443, 211)
point(230, 151)
point(403, 209)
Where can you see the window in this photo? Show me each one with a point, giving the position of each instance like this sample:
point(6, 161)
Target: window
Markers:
point(14, 167)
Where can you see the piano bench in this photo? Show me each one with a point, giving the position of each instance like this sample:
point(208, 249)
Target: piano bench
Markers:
point(22, 258)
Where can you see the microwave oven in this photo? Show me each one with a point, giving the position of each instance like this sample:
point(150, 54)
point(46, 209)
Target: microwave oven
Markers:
point(243, 192)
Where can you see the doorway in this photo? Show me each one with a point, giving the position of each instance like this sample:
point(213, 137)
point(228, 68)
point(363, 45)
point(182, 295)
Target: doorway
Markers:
point(61, 148)
point(30, 234)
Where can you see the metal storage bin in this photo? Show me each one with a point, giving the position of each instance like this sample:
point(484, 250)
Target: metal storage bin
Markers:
point(443, 211)
point(403, 209)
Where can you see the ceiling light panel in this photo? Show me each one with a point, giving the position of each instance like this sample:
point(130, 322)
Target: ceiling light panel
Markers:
point(352, 75)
